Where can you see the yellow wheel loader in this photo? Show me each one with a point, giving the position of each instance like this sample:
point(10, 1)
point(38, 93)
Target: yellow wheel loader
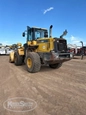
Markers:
point(14, 47)
point(41, 48)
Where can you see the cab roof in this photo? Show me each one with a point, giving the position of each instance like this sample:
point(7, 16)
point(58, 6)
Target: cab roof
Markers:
point(39, 28)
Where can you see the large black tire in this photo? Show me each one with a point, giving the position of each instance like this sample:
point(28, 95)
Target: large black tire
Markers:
point(54, 66)
point(18, 59)
point(35, 62)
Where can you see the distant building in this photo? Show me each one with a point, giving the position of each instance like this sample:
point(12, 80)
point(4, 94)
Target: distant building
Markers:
point(76, 49)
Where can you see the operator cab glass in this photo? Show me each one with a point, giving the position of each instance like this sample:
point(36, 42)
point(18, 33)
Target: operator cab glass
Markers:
point(40, 34)
point(36, 33)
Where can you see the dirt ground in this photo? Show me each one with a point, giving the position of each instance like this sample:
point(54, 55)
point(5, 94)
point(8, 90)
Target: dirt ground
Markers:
point(57, 91)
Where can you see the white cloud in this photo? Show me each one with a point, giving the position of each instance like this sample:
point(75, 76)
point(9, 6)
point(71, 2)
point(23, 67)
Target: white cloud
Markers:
point(47, 10)
point(76, 40)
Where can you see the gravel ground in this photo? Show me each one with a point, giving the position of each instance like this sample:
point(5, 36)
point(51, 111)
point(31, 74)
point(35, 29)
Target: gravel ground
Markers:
point(56, 91)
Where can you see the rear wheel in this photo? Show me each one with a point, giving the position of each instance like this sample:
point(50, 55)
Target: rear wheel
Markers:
point(18, 59)
point(33, 62)
point(54, 66)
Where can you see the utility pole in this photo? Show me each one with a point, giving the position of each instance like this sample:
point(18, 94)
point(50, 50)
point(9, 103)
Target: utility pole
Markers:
point(82, 52)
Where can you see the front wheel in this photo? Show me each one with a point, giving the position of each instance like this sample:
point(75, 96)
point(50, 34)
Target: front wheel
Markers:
point(33, 62)
point(54, 66)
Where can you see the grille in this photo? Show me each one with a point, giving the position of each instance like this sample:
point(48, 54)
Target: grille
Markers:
point(62, 46)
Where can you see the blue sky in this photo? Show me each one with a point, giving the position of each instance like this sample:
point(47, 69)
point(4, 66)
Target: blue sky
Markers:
point(15, 15)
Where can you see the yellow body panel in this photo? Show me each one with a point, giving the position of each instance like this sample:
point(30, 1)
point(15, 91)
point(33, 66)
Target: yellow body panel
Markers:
point(32, 42)
point(11, 56)
point(45, 46)
point(29, 42)
point(19, 44)
point(21, 51)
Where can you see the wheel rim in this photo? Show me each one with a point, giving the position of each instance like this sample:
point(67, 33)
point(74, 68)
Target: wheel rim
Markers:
point(29, 62)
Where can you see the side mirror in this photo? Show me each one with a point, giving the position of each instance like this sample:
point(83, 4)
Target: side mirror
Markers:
point(23, 34)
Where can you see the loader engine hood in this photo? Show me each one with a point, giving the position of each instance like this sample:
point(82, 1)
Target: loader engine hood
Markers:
point(60, 45)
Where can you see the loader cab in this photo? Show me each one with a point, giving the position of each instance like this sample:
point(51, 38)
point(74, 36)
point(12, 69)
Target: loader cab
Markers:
point(35, 33)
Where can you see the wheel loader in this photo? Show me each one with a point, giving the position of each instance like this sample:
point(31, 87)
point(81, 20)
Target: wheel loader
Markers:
point(41, 48)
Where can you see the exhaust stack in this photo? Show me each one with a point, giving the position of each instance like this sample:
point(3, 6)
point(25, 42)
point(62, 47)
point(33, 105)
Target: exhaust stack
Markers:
point(64, 34)
point(50, 31)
